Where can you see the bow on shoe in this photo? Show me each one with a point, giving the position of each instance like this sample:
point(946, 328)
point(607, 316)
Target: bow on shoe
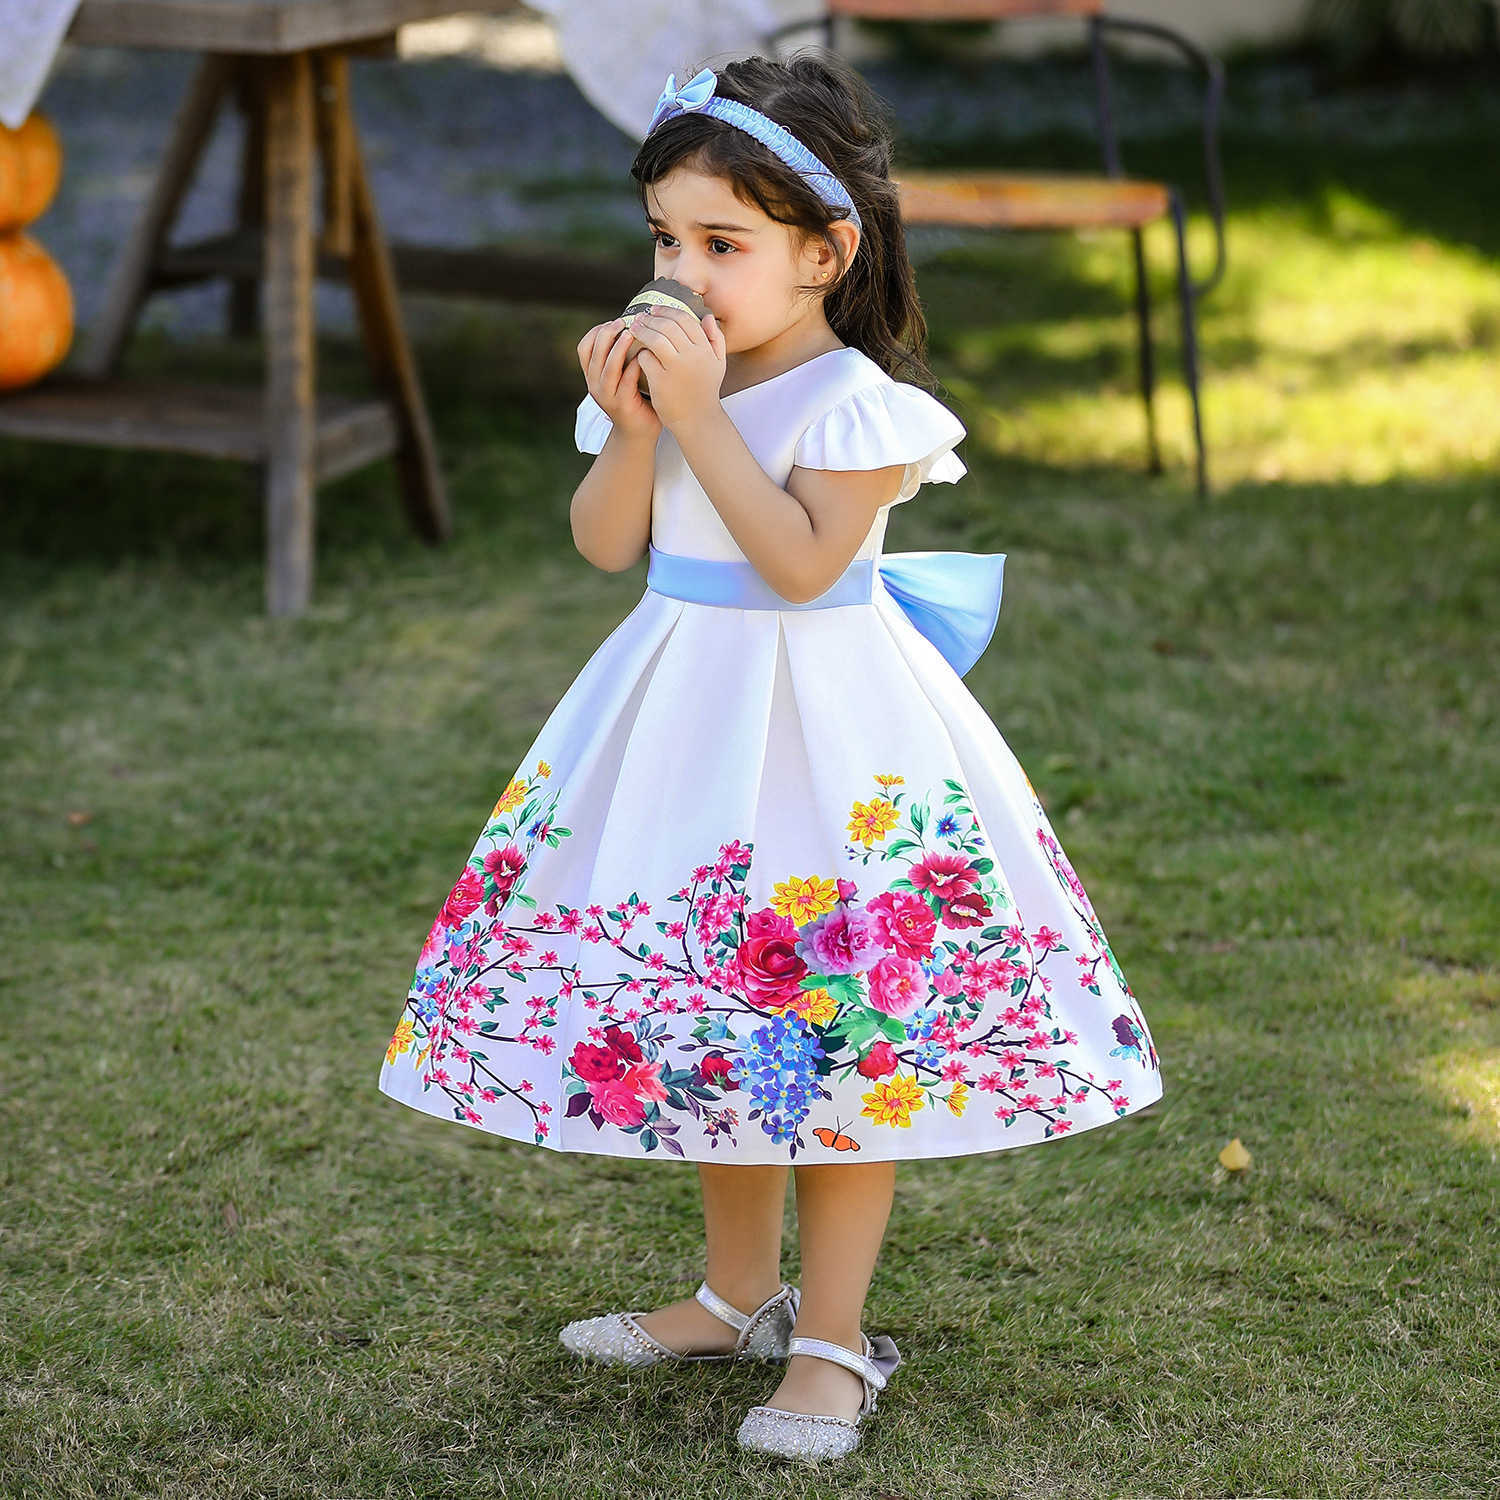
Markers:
point(694, 94)
point(885, 1356)
point(953, 598)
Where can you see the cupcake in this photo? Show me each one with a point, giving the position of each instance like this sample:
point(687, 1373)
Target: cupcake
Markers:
point(661, 292)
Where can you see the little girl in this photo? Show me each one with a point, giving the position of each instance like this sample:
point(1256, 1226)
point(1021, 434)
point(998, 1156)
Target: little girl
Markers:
point(769, 888)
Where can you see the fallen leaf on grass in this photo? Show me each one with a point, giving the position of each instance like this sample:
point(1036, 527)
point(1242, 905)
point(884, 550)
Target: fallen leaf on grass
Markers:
point(1234, 1157)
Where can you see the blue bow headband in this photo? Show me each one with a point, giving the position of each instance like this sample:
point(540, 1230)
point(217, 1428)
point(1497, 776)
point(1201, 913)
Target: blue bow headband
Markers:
point(697, 96)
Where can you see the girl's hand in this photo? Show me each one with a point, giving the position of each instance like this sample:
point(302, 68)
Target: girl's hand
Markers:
point(613, 380)
point(684, 361)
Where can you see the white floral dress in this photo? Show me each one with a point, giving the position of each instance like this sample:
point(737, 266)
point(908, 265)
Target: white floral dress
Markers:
point(769, 886)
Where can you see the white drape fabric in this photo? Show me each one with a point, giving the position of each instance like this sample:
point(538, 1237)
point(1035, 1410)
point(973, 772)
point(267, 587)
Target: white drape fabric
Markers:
point(620, 54)
point(31, 31)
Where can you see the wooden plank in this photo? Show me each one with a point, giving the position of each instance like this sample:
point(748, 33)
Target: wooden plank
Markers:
point(222, 422)
point(129, 276)
point(172, 418)
point(392, 364)
point(353, 435)
point(1029, 200)
point(265, 26)
point(961, 10)
point(503, 273)
point(287, 300)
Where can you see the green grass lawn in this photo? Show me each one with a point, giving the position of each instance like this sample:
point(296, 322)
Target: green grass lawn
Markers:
point(1266, 730)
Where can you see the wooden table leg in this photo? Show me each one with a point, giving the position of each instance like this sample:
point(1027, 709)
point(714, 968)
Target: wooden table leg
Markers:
point(335, 122)
point(373, 280)
point(250, 207)
point(128, 278)
point(287, 304)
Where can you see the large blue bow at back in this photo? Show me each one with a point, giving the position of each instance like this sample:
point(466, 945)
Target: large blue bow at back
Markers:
point(953, 598)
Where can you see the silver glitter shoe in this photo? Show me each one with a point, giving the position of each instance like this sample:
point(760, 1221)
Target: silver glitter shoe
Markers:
point(811, 1436)
point(619, 1339)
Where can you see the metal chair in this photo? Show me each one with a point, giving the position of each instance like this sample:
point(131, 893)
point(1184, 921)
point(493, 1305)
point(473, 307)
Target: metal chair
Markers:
point(1019, 200)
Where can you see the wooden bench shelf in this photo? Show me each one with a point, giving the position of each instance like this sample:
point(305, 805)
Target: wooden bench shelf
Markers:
point(227, 422)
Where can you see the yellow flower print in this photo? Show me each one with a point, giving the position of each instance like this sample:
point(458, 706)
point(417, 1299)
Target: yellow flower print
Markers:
point(802, 900)
point(888, 781)
point(872, 820)
point(543, 769)
point(893, 1100)
point(511, 797)
point(821, 1007)
point(816, 1007)
point(405, 1035)
point(958, 1098)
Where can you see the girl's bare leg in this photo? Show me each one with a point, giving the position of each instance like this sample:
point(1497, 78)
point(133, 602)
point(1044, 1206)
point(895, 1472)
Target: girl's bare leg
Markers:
point(842, 1211)
point(743, 1210)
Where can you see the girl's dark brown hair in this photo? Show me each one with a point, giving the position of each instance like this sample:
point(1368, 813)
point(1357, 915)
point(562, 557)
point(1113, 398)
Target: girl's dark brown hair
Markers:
point(872, 304)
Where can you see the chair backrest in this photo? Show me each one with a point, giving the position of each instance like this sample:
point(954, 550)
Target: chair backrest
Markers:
point(961, 10)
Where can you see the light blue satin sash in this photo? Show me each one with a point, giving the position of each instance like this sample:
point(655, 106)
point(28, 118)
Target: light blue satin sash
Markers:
point(953, 598)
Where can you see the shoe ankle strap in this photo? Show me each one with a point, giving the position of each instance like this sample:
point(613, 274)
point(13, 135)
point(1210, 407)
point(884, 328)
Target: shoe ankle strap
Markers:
point(861, 1364)
point(721, 1308)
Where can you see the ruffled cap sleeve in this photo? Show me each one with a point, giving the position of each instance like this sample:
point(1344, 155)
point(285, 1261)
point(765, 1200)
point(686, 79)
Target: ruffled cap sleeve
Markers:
point(890, 422)
point(591, 430)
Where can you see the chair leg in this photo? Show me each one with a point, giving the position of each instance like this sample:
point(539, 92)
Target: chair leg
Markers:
point(1146, 351)
point(1189, 339)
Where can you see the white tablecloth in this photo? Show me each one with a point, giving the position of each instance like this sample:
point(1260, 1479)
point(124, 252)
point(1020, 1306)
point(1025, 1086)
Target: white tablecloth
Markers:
point(620, 51)
point(30, 34)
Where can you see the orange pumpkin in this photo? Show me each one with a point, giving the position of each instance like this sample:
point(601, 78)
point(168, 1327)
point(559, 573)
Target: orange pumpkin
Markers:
point(30, 170)
point(36, 311)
